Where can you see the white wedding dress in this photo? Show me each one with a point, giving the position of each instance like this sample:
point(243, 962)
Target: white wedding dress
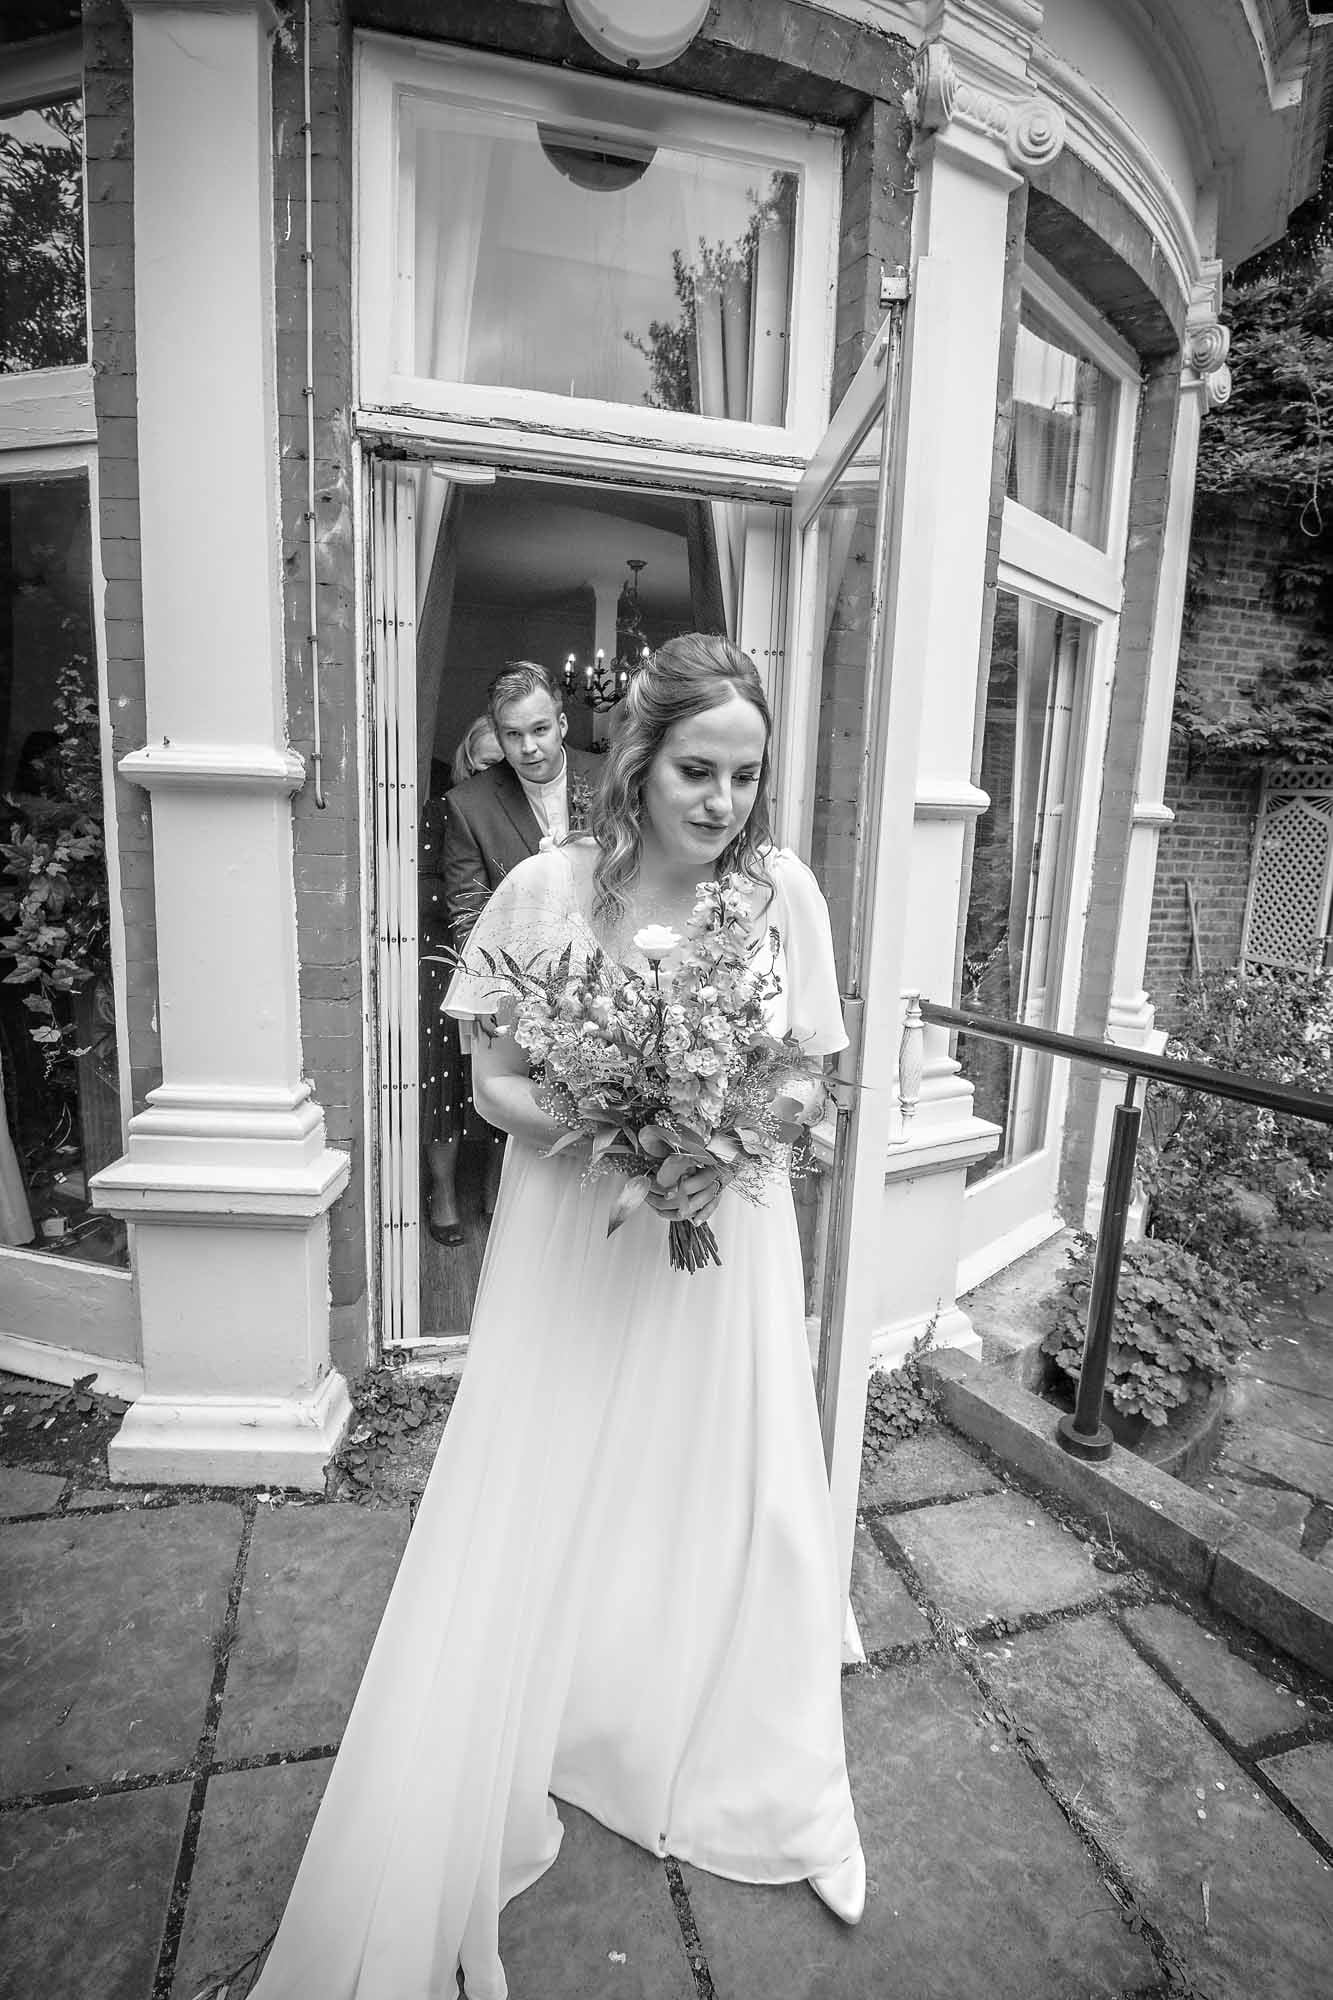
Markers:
point(621, 1584)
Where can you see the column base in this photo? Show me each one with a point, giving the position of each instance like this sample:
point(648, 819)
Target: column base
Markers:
point(890, 1345)
point(259, 1441)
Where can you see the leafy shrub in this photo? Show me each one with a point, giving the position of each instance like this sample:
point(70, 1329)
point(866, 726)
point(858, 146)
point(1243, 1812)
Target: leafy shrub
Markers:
point(1233, 1184)
point(53, 886)
point(388, 1408)
point(897, 1401)
point(1178, 1325)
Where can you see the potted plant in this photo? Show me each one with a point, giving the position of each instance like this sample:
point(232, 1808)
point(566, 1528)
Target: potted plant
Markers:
point(1178, 1326)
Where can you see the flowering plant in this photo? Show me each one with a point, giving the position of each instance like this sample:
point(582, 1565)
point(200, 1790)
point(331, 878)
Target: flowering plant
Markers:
point(669, 1073)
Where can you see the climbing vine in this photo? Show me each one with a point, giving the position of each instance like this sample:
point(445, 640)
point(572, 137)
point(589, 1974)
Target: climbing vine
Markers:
point(1267, 456)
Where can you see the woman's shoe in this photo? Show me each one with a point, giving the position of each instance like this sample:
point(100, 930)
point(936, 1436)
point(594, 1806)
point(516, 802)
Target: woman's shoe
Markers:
point(450, 1234)
point(843, 1888)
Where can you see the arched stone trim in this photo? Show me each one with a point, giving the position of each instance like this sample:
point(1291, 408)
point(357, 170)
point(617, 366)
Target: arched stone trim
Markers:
point(1083, 229)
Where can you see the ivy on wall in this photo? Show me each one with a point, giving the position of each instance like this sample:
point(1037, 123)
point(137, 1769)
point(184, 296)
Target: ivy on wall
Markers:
point(1267, 456)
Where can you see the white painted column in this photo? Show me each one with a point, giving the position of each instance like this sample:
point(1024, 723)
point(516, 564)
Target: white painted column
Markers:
point(1131, 1019)
point(979, 128)
point(226, 1174)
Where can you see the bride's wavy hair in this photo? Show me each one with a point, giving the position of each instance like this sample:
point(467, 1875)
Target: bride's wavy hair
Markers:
point(682, 679)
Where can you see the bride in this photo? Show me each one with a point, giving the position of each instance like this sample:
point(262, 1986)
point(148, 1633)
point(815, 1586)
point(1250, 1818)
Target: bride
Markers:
point(621, 1588)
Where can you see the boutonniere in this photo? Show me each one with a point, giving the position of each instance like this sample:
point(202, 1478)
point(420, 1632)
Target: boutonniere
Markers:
point(580, 803)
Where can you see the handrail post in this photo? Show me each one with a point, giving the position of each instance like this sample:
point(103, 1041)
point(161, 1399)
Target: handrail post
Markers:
point(1084, 1434)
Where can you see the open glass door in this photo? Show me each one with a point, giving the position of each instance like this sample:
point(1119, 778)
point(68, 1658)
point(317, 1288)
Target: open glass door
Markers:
point(847, 791)
point(471, 567)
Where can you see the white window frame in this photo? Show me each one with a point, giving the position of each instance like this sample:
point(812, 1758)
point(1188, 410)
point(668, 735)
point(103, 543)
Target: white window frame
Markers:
point(1011, 1209)
point(392, 69)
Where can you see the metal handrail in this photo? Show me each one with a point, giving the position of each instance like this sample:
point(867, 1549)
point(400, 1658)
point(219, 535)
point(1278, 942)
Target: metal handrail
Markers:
point(1137, 1062)
point(1083, 1433)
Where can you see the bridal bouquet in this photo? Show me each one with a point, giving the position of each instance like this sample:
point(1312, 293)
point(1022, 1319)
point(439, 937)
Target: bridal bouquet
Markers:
point(668, 1073)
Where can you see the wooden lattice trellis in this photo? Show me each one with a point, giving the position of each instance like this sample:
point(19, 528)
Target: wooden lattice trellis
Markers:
point(1291, 871)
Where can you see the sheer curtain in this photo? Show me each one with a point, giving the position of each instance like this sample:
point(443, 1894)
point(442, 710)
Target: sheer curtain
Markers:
point(450, 184)
point(15, 1215)
point(1059, 435)
point(738, 370)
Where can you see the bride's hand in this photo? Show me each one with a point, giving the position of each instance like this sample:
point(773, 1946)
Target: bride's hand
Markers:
point(692, 1199)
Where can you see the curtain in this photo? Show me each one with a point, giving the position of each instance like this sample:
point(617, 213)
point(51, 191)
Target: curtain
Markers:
point(1059, 434)
point(738, 370)
point(15, 1215)
point(435, 607)
point(451, 173)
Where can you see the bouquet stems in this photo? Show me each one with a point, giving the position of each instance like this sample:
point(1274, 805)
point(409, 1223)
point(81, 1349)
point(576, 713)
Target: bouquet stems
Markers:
point(693, 1245)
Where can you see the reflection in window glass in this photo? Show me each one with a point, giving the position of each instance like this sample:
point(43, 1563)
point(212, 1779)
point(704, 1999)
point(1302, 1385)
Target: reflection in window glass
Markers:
point(43, 322)
point(1012, 943)
point(61, 1109)
point(550, 260)
point(1064, 411)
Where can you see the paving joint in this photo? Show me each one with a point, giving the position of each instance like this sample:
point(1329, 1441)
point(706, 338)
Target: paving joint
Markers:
point(689, 1931)
point(917, 1506)
point(169, 1949)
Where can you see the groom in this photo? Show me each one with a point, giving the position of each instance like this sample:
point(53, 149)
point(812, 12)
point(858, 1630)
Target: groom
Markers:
point(496, 819)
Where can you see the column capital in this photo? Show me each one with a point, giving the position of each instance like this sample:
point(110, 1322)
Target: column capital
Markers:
point(961, 91)
point(1207, 340)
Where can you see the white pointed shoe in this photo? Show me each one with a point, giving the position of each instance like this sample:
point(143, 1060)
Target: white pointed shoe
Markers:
point(844, 1888)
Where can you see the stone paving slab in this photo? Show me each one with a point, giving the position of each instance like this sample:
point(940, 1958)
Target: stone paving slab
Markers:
point(251, 1838)
point(109, 1625)
point(1275, 1509)
point(999, 1556)
point(1174, 1811)
point(26, 1493)
point(929, 1466)
point(1244, 1703)
point(1298, 1354)
point(1297, 1461)
point(885, 1613)
point(1305, 1775)
point(563, 1938)
point(975, 1883)
point(316, 1582)
point(86, 1890)
point(1297, 1410)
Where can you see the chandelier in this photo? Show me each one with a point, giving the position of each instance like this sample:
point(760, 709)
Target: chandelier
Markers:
point(599, 684)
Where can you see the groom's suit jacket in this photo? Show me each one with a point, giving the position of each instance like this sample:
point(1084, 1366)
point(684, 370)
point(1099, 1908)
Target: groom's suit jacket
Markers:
point(489, 827)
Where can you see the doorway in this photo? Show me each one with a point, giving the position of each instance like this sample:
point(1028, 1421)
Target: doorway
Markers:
point(473, 567)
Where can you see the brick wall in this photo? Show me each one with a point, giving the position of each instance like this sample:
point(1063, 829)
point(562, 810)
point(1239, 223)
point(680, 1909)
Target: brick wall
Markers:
point(1209, 846)
point(326, 839)
point(1233, 629)
point(109, 154)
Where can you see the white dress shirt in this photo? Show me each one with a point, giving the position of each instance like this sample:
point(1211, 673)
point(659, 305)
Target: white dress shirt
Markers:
point(550, 802)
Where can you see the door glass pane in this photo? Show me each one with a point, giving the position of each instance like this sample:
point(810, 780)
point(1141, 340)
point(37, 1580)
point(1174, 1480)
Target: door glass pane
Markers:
point(844, 530)
point(845, 527)
point(43, 320)
point(1013, 937)
point(1064, 416)
point(61, 1111)
point(582, 266)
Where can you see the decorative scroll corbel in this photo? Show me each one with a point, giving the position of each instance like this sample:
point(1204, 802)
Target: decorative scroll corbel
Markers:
point(1031, 130)
point(1207, 345)
point(1207, 340)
